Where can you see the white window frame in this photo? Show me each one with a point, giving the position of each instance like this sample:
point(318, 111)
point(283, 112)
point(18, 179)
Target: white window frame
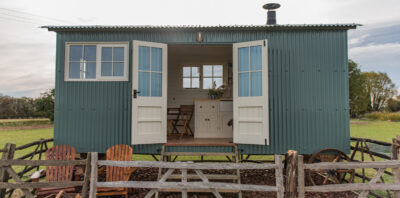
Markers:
point(99, 45)
point(191, 77)
point(212, 74)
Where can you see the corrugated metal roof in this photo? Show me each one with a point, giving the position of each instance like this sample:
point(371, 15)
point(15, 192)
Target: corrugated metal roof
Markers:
point(189, 27)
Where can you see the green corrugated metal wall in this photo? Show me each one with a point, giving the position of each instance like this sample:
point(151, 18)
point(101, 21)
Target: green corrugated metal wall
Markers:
point(308, 91)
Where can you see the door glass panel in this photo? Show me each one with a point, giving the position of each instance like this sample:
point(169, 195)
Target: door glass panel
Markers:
point(243, 82)
point(144, 81)
point(256, 83)
point(243, 59)
point(156, 59)
point(256, 59)
point(144, 58)
point(156, 84)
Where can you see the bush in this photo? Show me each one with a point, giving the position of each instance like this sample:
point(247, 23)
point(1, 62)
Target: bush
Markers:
point(382, 116)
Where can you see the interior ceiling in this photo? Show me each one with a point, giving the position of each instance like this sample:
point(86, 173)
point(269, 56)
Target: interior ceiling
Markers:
point(217, 51)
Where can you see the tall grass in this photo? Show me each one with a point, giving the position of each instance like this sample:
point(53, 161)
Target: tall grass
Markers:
point(23, 122)
point(382, 116)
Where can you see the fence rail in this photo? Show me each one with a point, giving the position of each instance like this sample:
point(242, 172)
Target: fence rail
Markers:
point(184, 185)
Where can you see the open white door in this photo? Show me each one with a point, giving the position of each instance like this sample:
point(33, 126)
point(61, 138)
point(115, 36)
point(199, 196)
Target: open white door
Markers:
point(149, 92)
point(250, 93)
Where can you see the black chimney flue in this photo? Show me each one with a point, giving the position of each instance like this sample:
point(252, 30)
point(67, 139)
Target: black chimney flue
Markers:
point(271, 14)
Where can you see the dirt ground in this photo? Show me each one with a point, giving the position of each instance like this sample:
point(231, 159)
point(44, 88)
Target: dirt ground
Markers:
point(264, 177)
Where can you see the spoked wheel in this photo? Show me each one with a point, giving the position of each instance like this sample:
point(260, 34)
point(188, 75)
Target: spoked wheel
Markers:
point(338, 176)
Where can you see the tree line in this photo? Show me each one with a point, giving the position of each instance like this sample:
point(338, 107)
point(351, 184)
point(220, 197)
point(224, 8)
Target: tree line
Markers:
point(25, 107)
point(371, 91)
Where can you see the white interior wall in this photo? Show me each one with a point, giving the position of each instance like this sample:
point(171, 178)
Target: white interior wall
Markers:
point(194, 55)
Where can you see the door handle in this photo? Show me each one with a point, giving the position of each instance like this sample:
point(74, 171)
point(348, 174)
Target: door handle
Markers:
point(135, 92)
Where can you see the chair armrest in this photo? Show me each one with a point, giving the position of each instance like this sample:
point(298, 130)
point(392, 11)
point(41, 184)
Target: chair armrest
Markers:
point(36, 175)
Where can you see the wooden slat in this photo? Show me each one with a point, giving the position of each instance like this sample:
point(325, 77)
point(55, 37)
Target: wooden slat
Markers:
point(93, 175)
point(279, 176)
point(378, 175)
point(33, 144)
point(300, 178)
point(205, 181)
point(200, 144)
point(17, 185)
point(163, 179)
point(17, 162)
point(197, 153)
point(189, 185)
point(353, 165)
point(85, 187)
point(184, 180)
point(209, 176)
point(351, 187)
point(186, 165)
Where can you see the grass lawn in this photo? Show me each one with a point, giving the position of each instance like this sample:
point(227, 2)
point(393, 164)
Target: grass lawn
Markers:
point(377, 130)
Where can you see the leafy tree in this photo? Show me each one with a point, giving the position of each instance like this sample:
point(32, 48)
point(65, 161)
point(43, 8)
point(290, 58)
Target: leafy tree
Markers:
point(380, 89)
point(44, 105)
point(358, 95)
point(393, 104)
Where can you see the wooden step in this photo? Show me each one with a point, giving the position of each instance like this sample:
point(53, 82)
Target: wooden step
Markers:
point(198, 154)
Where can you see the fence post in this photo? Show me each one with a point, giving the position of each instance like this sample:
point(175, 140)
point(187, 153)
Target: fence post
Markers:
point(87, 175)
point(396, 171)
point(279, 176)
point(300, 183)
point(291, 174)
point(8, 153)
point(93, 175)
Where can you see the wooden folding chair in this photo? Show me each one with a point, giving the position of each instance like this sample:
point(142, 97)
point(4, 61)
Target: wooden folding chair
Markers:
point(184, 116)
point(119, 152)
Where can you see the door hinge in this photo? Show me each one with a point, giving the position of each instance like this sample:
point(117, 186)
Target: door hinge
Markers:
point(264, 43)
point(265, 141)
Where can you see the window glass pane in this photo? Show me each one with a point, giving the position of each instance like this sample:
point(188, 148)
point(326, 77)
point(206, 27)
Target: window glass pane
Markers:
point(243, 83)
point(106, 53)
point(218, 82)
point(156, 59)
point(118, 69)
point(106, 69)
point(90, 53)
point(256, 59)
point(207, 83)
point(186, 71)
point(243, 59)
point(256, 83)
point(217, 71)
point(195, 72)
point(75, 52)
point(90, 71)
point(75, 70)
point(195, 82)
point(144, 58)
point(207, 70)
point(118, 54)
point(156, 84)
point(144, 81)
point(186, 83)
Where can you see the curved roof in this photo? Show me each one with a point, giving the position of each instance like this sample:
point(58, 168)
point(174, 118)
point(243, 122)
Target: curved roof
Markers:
point(200, 27)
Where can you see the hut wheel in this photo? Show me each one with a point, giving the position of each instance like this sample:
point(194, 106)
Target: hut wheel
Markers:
point(337, 176)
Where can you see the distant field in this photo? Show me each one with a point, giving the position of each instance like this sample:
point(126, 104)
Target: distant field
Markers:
point(378, 130)
point(23, 122)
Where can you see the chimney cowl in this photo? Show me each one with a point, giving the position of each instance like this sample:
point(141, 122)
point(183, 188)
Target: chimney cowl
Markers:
point(271, 14)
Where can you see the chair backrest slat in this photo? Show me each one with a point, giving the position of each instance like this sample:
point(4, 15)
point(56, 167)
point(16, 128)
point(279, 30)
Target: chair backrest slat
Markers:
point(118, 152)
point(60, 173)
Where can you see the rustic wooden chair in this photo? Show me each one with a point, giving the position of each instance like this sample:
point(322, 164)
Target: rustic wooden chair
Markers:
point(119, 152)
point(57, 173)
point(183, 119)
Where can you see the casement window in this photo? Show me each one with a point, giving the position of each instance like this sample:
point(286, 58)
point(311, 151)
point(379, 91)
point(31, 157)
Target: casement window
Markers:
point(212, 74)
point(191, 77)
point(96, 62)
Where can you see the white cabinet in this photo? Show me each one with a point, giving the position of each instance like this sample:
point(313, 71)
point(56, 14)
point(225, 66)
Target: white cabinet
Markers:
point(211, 121)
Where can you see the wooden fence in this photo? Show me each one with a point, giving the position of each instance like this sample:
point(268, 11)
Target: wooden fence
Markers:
point(184, 185)
point(363, 187)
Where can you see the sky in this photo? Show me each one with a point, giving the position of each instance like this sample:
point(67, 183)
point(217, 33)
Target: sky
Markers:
point(27, 52)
